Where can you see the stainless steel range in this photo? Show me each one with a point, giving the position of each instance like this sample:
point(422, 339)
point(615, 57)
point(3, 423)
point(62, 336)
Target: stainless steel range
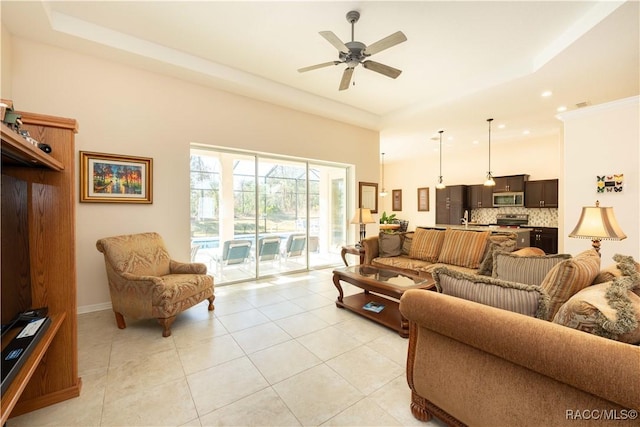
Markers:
point(512, 220)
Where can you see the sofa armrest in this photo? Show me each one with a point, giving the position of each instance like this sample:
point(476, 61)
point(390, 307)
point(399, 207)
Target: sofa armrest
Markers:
point(599, 366)
point(371, 249)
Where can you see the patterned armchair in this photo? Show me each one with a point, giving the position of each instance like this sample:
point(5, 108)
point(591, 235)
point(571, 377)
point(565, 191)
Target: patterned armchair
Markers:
point(144, 282)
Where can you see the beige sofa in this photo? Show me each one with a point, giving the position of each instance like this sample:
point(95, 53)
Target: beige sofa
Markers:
point(471, 363)
point(425, 249)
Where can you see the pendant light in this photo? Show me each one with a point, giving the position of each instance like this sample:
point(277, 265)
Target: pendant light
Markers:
point(440, 185)
point(489, 182)
point(383, 193)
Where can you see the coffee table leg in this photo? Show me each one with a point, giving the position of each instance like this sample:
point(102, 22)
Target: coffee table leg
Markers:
point(336, 282)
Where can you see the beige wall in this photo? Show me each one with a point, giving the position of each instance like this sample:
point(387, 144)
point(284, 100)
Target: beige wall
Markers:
point(467, 165)
point(603, 139)
point(5, 67)
point(129, 111)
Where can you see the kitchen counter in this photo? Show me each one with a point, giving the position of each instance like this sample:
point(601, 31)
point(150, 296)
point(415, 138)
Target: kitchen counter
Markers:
point(523, 233)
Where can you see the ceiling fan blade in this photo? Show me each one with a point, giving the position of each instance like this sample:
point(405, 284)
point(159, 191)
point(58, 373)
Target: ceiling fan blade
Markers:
point(346, 78)
point(334, 40)
point(386, 43)
point(382, 69)
point(314, 67)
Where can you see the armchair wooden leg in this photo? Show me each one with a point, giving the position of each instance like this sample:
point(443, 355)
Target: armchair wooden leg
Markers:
point(120, 320)
point(166, 325)
point(211, 302)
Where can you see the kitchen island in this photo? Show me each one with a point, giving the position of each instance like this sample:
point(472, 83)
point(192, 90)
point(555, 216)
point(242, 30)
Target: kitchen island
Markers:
point(523, 233)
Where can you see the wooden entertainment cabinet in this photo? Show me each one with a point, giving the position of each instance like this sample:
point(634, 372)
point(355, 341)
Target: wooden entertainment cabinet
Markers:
point(38, 257)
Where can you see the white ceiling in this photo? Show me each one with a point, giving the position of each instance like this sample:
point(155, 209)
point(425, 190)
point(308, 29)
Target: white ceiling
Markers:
point(463, 62)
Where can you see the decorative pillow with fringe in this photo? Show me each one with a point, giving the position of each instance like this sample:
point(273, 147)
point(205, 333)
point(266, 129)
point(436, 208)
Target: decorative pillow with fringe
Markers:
point(517, 297)
point(497, 243)
point(531, 270)
point(569, 277)
point(611, 272)
point(610, 309)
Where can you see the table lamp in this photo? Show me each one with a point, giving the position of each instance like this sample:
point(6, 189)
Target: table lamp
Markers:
point(598, 223)
point(362, 217)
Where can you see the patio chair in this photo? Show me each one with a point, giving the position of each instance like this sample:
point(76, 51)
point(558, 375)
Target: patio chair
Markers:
point(314, 244)
point(268, 248)
point(234, 252)
point(295, 245)
point(194, 252)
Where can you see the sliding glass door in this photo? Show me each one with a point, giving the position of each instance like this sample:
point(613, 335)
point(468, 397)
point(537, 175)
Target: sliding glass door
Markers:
point(258, 215)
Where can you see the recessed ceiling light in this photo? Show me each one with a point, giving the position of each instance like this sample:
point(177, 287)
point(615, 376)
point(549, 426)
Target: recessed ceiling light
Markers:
point(526, 132)
point(502, 126)
point(450, 138)
point(476, 142)
point(547, 93)
point(561, 108)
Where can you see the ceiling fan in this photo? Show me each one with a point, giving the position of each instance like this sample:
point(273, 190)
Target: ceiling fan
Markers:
point(353, 53)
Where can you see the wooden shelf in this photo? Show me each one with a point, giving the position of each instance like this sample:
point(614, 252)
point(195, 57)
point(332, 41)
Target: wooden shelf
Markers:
point(390, 316)
point(17, 150)
point(17, 386)
point(38, 257)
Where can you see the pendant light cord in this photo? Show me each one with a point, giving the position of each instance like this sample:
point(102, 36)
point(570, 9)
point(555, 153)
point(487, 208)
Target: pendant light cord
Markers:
point(441, 153)
point(489, 120)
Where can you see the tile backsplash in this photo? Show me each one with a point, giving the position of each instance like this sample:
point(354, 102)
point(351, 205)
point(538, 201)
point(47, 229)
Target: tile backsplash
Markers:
point(544, 217)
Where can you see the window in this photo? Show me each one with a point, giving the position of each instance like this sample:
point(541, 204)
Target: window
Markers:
point(259, 200)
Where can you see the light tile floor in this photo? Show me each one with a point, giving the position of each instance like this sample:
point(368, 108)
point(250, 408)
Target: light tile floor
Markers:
point(273, 353)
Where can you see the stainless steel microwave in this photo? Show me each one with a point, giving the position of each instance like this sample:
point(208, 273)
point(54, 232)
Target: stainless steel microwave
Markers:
point(508, 199)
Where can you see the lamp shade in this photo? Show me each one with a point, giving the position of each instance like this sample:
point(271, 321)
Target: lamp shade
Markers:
point(598, 223)
point(362, 216)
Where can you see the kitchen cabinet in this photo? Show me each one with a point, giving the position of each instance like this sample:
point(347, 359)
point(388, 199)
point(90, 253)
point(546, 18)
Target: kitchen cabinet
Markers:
point(480, 196)
point(511, 183)
point(541, 194)
point(451, 202)
point(545, 238)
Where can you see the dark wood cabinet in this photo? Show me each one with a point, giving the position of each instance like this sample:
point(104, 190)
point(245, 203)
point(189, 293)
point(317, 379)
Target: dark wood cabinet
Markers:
point(39, 258)
point(511, 183)
point(545, 238)
point(541, 194)
point(451, 202)
point(480, 196)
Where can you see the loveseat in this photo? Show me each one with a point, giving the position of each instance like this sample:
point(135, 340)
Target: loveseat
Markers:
point(489, 352)
point(421, 251)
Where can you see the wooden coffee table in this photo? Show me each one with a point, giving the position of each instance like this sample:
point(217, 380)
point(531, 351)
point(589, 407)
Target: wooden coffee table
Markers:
point(380, 287)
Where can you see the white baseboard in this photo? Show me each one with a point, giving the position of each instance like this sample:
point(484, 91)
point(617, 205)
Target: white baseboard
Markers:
point(94, 307)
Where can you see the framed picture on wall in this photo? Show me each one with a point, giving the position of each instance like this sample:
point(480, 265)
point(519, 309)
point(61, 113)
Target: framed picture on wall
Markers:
point(368, 194)
point(396, 197)
point(114, 178)
point(423, 199)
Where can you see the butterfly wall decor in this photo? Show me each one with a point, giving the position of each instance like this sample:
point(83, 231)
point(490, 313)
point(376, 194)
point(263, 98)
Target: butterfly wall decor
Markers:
point(610, 183)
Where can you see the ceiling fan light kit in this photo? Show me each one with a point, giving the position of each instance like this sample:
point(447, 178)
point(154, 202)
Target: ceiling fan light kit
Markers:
point(354, 53)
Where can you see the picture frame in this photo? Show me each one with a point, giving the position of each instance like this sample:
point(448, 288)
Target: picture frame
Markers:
point(115, 178)
point(396, 198)
point(368, 195)
point(423, 199)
